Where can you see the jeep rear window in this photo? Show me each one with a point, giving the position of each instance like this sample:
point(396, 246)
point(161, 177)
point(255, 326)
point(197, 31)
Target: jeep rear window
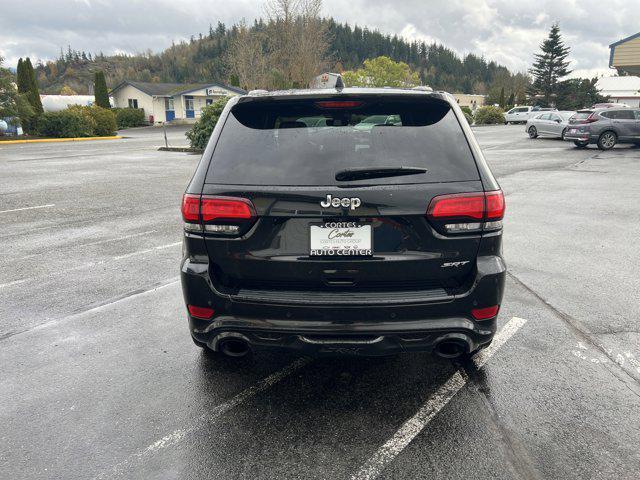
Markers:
point(305, 142)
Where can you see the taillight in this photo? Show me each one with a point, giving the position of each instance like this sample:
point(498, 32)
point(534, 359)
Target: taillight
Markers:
point(204, 313)
point(495, 205)
point(453, 212)
point(191, 208)
point(220, 215)
point(224, 208)
point(485, 313)
point(469, 205)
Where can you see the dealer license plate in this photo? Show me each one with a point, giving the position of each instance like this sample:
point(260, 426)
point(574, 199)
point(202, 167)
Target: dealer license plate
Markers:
point(340, 239)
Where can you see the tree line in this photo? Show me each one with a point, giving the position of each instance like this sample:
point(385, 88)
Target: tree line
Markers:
point(207, 57)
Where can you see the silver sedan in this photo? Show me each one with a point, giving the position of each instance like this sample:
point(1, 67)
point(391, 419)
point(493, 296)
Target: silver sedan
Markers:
point(553, 124)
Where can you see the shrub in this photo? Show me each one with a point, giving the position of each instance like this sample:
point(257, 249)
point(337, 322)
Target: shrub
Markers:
point(467, 110)
point(489, 115)
point(129, 117)
point(199, 135)
point(469, 117)
point(104, 119)
point(67, 123)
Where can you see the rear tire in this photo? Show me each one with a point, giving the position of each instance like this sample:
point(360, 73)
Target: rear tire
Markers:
point(607, 140)
point(580, 144)
point(564, 131)
point(533, 132)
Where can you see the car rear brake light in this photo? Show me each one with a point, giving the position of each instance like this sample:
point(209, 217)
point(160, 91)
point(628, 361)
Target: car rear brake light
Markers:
point(204, 313)
point(485, 313)
point(469, 205)
point(495, 205)
point(486, 209)
point(338, 104)
point(191, 208)
point(213, 208)
point(221, 215)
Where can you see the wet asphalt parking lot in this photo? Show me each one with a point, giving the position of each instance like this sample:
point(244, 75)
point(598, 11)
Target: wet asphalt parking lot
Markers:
point(100, 380)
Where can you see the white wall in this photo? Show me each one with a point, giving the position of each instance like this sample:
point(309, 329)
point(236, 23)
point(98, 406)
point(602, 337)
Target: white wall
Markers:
point(121, 100)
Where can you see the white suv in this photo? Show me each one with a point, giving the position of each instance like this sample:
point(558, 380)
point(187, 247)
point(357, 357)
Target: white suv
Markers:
point(518, 114)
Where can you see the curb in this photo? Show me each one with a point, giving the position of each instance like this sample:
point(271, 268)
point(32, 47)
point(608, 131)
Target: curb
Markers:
point(54, 140)
point(180, 149)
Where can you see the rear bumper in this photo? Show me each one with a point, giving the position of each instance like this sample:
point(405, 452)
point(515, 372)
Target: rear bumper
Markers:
point(580, 137)
point(358, 338)
point(414, 323)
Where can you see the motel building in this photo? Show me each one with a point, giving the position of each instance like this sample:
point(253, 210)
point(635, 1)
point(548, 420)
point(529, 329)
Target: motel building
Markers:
point(166, 102)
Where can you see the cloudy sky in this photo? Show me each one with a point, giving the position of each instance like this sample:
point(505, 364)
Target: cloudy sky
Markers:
point(508, 31)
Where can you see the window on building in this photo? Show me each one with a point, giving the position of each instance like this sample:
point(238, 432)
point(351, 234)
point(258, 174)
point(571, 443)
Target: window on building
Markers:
point(168, 104)
point(133, 103)
point(189, 103)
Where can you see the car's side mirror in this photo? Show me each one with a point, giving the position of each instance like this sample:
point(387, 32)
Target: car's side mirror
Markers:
point(557, 120)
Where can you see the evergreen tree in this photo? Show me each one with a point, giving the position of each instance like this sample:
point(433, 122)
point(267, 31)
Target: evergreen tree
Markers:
point(33, 93)
point(512, 100)
point(549, 67)
point(577, 93)
point(501, 100)
point(22, 79)
point(100, 90)
point(12, 103)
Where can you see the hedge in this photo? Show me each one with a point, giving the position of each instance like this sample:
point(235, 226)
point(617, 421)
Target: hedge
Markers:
point(77, 121)
point(129, 117)
point(105, 121)
point(66, 124)
point(489, 115)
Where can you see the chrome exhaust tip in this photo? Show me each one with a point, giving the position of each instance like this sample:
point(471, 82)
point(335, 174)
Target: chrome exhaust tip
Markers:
point(231, 344)
point(452, 346)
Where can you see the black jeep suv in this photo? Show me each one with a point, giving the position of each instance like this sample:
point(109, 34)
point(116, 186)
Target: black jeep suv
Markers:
point(357, 221)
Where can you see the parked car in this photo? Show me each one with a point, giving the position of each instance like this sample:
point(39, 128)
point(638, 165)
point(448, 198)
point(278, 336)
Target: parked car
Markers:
point(610, 105)
point(522, 113)
point(517, 114)
point(552, 124)
point(543, 109)
point(604, 127)
point(342, 240)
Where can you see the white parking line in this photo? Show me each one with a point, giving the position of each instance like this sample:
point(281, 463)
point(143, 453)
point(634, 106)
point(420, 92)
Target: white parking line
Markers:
point(178, 435)
point(92, 264)
point(49, 205)
point(412, 427)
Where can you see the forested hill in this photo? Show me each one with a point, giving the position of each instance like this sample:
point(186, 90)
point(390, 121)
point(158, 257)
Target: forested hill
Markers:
point(203, 59)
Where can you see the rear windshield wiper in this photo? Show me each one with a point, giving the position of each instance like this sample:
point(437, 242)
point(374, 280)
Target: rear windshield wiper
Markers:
point(363, 173)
